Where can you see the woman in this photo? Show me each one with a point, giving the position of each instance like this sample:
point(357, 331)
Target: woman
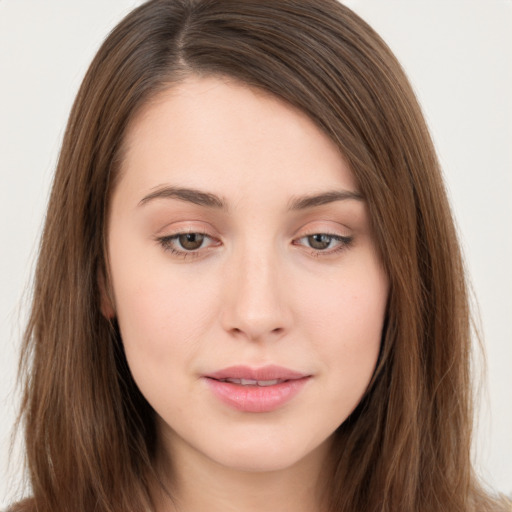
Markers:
point(249, 292)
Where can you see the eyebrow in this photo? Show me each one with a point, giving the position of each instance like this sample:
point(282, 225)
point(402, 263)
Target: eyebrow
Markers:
point(310, 201)
point(210, 200)
point(189, 195)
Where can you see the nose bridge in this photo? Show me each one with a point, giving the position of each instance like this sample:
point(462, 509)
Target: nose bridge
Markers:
point(255, 306)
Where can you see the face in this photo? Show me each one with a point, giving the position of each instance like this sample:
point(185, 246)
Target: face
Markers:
point(247, 287)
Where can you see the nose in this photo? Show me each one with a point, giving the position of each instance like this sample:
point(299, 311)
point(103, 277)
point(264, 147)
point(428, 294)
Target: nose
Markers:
point(255, 305)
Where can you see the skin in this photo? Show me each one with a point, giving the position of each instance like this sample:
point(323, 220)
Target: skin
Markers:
point(259, 290)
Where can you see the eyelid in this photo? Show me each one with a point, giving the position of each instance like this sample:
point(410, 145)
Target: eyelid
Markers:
point(169, 240)
point(344, 243)
point(334, 229)
point(185, 225)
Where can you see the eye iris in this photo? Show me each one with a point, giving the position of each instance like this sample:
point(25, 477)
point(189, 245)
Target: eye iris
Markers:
point(319, 241)
point(191, 241)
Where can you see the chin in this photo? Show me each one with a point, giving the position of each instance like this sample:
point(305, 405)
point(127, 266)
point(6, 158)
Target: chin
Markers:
point(268, 455)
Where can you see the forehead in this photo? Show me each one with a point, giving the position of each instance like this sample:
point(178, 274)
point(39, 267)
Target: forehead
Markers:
point(230, 138)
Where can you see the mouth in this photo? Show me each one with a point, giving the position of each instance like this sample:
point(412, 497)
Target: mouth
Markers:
point(246, 375)
point(256, 390)
point(251, 382)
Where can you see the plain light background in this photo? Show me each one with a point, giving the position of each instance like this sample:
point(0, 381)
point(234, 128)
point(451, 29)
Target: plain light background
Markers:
point(458, 55)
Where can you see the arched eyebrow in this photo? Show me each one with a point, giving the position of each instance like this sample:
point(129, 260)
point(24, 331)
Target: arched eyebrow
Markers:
point(189, 195)
point(310, 201)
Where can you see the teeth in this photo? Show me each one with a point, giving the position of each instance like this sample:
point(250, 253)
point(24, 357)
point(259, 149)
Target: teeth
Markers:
point(251, 382)
point(248, 382)
point(267, 382)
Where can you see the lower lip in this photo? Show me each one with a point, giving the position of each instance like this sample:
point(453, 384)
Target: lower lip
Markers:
point(256, 398)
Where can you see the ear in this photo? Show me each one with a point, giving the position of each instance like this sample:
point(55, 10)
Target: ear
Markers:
point(106, 296)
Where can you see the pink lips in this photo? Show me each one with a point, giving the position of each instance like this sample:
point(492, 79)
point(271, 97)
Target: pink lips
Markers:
point(256, 389)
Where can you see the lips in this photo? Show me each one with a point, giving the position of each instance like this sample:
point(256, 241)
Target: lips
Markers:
point(251, 382)
point(256, 389)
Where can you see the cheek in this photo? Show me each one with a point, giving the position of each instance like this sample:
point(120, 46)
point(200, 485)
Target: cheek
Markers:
point(353, 304)
point(345, 320)
point(162, 327)
point(162, 312)
point(159, 316)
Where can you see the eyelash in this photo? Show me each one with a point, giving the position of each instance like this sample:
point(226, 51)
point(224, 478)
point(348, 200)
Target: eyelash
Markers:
point(166, 242)
point(344, 243)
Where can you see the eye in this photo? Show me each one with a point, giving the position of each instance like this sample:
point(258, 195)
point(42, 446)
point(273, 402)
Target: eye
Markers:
point(320, 241)
point(190, 241)
point(325, 242)
point(186, 244)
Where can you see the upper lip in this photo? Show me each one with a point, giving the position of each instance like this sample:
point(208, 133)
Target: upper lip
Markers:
point(264, 373)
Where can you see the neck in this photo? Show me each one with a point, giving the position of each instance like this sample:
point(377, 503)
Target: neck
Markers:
point(195, 484)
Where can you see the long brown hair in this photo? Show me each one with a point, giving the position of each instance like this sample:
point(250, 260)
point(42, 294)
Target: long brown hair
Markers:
point(89, 433)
